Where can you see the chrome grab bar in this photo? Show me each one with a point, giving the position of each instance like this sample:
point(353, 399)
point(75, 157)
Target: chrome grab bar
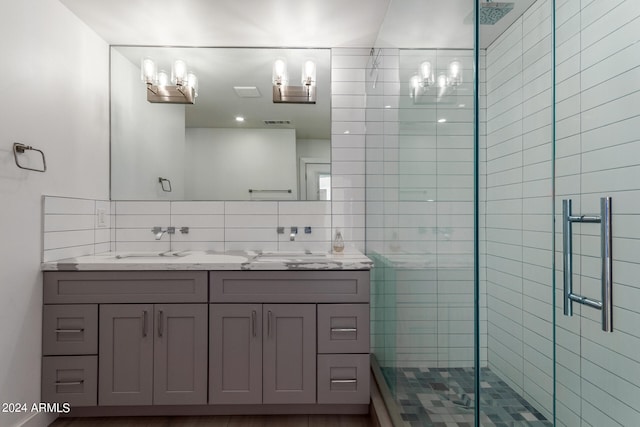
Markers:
point(604, 219)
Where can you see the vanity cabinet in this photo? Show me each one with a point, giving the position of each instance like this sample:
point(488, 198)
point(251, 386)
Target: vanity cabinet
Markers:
point(116, 338)
point(222, 342)
point(313, 334)
point(262, 353)
point(152, 354)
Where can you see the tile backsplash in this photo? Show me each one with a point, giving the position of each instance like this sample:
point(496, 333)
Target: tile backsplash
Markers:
point(71, 226)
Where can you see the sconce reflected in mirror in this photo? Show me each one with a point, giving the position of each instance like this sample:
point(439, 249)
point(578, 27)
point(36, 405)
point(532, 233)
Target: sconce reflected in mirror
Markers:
point(445, 84)
point(283, 93)
point(182, 90)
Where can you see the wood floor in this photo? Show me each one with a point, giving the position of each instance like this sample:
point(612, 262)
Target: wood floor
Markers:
point(221, 421)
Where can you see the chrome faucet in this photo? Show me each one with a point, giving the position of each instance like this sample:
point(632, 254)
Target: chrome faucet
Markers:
point(159, 231)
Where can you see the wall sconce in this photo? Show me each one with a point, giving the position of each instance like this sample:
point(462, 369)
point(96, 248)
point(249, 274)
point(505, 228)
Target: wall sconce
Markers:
point(182, 88)
point(283, 93)
point(445, 83)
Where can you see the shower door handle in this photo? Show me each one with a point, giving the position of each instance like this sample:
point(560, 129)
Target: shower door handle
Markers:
point(604, 219)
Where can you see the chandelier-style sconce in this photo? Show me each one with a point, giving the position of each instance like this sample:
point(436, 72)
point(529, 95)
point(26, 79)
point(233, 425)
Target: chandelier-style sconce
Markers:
point(283, 92)
point(182, 88)
point(420, 83)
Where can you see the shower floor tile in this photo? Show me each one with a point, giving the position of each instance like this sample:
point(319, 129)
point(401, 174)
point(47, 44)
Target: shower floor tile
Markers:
point(444, 397)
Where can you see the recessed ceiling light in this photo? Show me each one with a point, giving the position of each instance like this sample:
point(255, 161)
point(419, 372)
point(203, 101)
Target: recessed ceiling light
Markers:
point(239, 119)
point(461, 105)
point(346, 132)
point(442, 120)
point(387, 106)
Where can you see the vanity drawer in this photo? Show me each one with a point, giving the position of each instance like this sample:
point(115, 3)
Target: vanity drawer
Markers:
point(289, 286)
point(72, 379)
point(343, 328)
point(68, 287)
point(343, 378)
point(70, 329)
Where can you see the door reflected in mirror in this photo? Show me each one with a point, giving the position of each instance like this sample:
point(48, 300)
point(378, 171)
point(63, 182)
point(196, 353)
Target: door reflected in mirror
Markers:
point(235, 142)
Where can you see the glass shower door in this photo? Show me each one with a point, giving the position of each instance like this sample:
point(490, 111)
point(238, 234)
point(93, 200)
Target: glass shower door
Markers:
point(597, 94)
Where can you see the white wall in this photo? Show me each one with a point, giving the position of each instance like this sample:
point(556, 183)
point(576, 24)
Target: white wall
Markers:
point(223, 164)
point(147, 139)
point(55, 97)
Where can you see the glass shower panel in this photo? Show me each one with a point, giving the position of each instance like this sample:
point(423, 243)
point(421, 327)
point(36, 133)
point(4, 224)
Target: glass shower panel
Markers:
point(420, 212)
point(597, 93)
point(516, 259)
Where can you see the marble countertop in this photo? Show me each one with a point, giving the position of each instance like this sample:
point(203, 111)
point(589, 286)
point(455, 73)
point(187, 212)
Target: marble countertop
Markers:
point(208, 260)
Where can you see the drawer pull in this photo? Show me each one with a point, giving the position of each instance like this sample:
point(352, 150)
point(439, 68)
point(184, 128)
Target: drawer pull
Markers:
point(344, 381)
point(344, 329)
point(69, 382)
point(69, 331)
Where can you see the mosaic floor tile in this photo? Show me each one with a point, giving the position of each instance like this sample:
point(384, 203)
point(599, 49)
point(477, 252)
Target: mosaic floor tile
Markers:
point(444, 397)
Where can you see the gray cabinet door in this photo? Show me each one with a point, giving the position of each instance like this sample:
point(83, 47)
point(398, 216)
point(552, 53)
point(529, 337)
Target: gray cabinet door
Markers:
point(289, 353)
point(235, 354)
point(125, 369)
point(180, 354)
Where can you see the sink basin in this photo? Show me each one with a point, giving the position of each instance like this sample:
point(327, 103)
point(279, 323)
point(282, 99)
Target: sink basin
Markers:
point(180, 257)
point(152, 255)
point(291, 257)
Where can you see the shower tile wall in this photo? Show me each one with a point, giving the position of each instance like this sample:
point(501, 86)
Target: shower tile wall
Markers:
point(420, 212)
point(598, 152)
point(348, 102)
point(518, 203)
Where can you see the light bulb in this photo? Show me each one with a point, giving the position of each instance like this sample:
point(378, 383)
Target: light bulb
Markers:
point(415, 82)
point(148, 72)
point(179, 72)
point(426, 72)
point(280, 72)
point(192, 82)
point(442, 80)
point(309, 73)
point(163, 78)
point(455, 73)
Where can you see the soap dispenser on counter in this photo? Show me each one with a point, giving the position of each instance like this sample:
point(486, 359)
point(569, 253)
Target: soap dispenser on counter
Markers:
point(338, 243)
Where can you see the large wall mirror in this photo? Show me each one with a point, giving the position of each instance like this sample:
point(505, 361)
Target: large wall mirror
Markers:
point(202, 151)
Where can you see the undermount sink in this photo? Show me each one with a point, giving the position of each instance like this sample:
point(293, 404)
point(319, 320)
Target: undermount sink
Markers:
point(153, 255)
point(180, 257)
point(291, 256)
